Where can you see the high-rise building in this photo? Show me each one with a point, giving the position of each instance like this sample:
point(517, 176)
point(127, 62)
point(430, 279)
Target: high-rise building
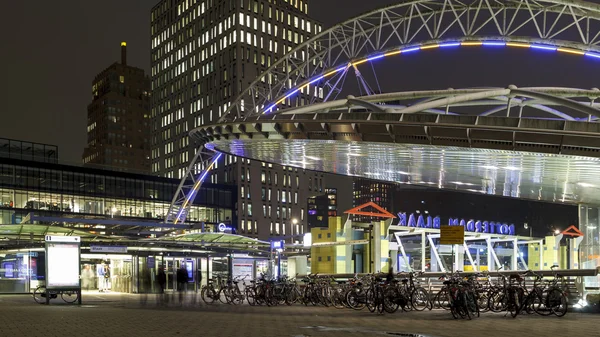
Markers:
point(321, 208)
point(379, 192)
point(204, 54)
point(118, 124)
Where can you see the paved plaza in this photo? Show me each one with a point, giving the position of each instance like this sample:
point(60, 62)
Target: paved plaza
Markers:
point(125, 315)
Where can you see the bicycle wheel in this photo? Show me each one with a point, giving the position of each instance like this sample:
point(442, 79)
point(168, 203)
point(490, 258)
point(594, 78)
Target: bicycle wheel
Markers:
point(472, 303)
point(338, 299)
point(497, 301)
point(39, 295)
point(441, 299)
point(390, 300)
point(209, 295)
point(250, 296)
point(463, 307)
point(69, 296)
point(379, 300)
point(540, 306)
point(370, 300)
point(353, 298)
point(419, 299)
point(236, 297)
point(482, 300)
point(557, 301)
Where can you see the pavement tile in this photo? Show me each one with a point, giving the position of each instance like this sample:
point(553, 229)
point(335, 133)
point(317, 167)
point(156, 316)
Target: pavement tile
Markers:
point(127, 315)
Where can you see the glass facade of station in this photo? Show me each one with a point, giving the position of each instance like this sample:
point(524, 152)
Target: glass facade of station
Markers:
point(136, 272)
point(26, 186)
point(47, 189)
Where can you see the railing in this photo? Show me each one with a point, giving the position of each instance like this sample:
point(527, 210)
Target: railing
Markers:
point(573, 278)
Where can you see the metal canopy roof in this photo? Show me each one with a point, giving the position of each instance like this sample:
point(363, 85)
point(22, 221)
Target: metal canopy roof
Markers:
point(33, 235)
point(27, 230)
point(216, 239)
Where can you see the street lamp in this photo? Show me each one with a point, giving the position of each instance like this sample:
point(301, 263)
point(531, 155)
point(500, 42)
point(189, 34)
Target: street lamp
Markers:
point(556, 231)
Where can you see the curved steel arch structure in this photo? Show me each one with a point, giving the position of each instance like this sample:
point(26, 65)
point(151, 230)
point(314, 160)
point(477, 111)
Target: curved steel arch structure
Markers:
point(570, 25)
point(545, 149)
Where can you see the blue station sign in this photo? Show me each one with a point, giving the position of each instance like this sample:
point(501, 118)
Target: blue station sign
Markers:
point(475, 226)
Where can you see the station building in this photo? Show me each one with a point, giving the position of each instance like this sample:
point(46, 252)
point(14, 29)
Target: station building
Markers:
point(118, 215)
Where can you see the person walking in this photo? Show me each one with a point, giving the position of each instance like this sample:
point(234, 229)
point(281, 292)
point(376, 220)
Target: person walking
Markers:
point(182, 280)
point(161, 279)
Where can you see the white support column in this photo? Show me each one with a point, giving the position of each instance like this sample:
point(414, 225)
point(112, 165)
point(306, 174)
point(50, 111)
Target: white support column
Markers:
point(574, 252)
point(347, 233)
point(404, 258)
point(556, 255)
point(522, 259)
point(514, 260)
point(423, 253)
point(470, 257)
point(376, 256)
point(492, 252)
point(490, 262)
point(435, 253)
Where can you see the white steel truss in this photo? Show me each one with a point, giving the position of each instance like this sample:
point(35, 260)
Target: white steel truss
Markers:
point(561, 23)
point(191, 182)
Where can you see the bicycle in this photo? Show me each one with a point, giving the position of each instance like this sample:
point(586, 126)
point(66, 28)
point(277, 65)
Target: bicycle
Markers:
point(40, 293)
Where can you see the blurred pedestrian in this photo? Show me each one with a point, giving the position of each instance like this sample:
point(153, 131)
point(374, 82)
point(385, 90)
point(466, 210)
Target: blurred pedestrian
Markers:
point(182, 280)
point(145, 285)
point(161, 279)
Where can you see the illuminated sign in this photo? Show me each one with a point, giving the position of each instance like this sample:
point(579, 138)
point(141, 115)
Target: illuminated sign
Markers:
point(62, 264)
point(108, 249)
point(475, 226)
point(277, 245)
point(63, 238)
point(223, 228)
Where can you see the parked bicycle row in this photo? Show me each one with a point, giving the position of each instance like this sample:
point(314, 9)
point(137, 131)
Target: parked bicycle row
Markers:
point(464, 297)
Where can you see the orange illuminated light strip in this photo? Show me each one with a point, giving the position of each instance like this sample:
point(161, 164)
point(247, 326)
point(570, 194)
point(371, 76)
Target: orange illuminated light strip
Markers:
point(571, 51)
point(517, 44)
point(471, 43)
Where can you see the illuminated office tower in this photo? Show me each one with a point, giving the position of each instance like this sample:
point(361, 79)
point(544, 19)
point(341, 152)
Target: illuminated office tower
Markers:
point(204, 54)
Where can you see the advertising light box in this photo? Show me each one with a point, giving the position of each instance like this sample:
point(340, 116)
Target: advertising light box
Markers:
point(62, 265)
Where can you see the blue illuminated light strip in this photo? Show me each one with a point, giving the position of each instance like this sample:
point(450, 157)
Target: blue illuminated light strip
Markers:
point(450, 44)
point(494, 43)
point(432, 46)
point(375, 57)
point(543, 47)
point(408, 50)
point(194, 190)
point(596, 55)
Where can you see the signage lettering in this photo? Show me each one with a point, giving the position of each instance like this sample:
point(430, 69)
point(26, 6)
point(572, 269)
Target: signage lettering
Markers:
point(475, 226)
point(222, 227)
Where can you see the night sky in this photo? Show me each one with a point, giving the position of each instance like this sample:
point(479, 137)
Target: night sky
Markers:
point(51, 51)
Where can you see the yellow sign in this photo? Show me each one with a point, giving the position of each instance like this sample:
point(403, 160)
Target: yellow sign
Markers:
point(452, 235)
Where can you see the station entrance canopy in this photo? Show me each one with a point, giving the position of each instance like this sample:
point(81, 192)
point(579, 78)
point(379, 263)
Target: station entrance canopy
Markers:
point(135, 235)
